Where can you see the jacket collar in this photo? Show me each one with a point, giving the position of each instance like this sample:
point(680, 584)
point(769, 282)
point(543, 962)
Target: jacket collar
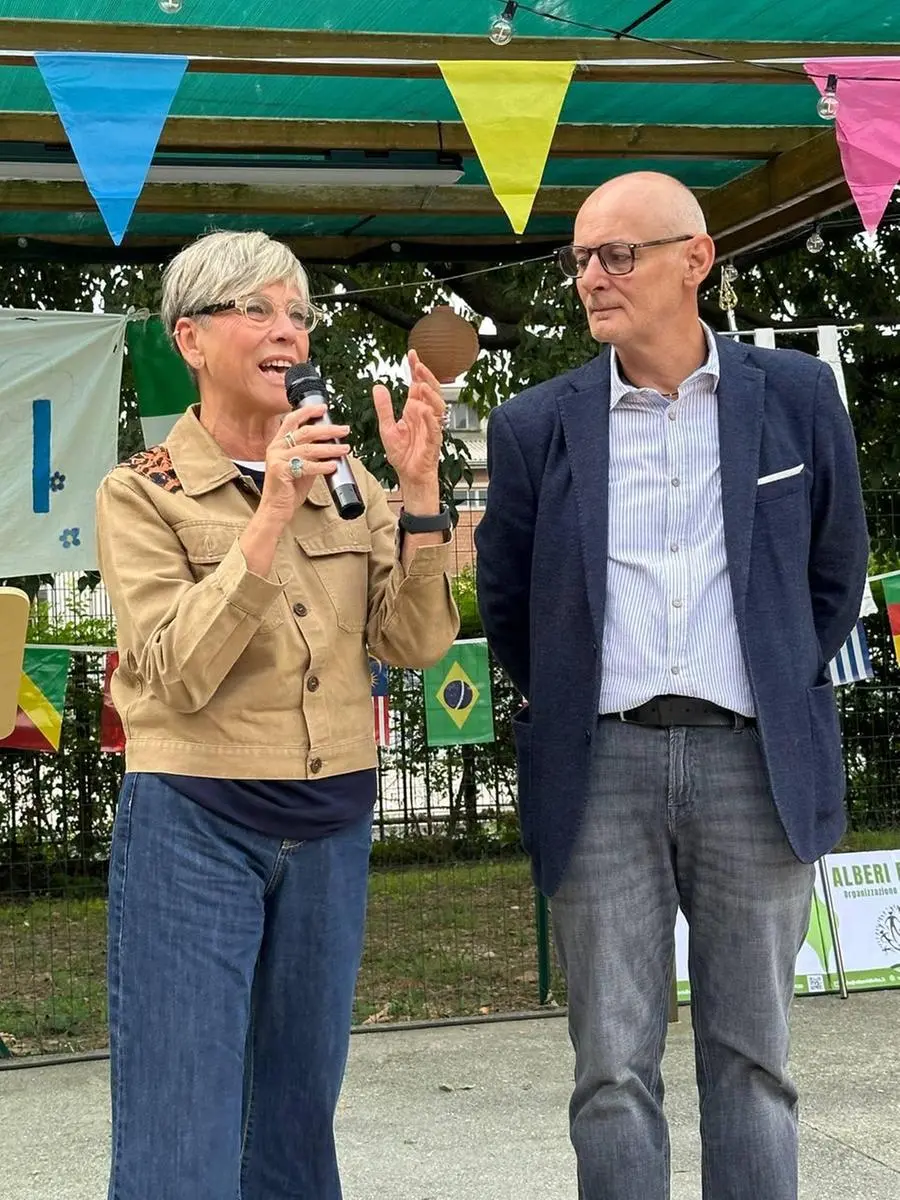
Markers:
point(202, 466)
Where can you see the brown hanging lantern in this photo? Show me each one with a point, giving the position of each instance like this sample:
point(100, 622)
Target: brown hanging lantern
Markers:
point(445, 342)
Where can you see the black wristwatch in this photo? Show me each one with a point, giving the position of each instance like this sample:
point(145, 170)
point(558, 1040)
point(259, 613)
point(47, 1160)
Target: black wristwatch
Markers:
point(439, 523)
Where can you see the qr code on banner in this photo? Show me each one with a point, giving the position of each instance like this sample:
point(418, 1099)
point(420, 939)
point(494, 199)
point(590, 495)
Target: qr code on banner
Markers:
point(815, 983)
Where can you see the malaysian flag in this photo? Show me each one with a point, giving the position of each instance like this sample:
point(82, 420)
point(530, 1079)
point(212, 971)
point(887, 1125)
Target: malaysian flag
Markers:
point(852, 663)
point(381, 705)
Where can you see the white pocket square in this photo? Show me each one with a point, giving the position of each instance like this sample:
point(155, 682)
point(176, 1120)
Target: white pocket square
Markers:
point(780, 475)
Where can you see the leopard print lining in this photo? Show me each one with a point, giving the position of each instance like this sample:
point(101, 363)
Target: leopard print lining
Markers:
point(156, 465)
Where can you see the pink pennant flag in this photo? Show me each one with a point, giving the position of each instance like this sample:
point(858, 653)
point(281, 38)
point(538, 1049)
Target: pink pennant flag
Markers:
point(867, 127)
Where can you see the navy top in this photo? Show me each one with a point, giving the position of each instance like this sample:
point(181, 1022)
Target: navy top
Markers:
point(299, 809)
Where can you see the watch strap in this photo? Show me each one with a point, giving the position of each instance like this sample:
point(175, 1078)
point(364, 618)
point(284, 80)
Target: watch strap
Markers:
point(439, 523)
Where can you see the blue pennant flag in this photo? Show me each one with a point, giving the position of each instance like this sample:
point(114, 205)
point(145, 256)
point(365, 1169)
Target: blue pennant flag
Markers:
point(852, 663)
point(113, 108)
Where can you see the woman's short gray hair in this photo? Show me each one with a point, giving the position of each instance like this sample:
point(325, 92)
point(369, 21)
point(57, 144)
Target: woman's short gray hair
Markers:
point(225, 266)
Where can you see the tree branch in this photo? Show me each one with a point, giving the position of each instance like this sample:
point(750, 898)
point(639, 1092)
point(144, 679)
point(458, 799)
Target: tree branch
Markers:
point(369, 301)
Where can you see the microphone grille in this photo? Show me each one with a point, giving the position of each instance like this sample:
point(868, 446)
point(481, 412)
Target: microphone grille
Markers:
point(300, 372)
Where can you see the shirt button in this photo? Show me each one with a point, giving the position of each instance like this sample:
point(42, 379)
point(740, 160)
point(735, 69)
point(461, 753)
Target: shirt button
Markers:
point(674, 670)
point(300, 609)
point(312, 684)
point(676, 482)
point(677, 603)
point(674, 547)
point(315, 766)
point(671, 413)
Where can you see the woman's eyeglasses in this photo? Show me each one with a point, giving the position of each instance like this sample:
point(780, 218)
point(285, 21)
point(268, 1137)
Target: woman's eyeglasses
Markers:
point(262, 311)
point(616, 258)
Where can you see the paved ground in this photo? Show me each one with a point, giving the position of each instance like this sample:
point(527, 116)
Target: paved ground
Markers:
point(478, 1113)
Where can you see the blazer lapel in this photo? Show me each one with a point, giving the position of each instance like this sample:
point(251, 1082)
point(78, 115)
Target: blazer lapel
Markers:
point(584, 413)
point(741, 396)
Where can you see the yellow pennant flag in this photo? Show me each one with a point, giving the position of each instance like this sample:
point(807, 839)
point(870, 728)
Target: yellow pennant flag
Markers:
point(511, 110)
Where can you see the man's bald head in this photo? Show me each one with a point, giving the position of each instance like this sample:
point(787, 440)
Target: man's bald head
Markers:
point(659, 202)
point(657, 221)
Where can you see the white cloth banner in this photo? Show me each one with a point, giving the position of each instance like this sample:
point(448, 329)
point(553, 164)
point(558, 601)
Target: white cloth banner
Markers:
point(60, 375)
point(830, 352)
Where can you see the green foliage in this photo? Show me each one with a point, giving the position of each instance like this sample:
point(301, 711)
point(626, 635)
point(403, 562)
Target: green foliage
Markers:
point(467, 603)
point(846, 284)
point(73, 625)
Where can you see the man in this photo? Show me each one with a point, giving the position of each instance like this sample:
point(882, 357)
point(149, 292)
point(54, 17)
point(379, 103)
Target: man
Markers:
point(674, 548)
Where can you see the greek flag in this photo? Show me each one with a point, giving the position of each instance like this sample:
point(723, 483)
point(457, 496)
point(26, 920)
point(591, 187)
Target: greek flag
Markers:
point(852, 663)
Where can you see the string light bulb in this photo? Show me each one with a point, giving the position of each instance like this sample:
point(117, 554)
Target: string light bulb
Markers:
point(501, 30)
point(169, 6)
point(828, 102)
point(815, 243)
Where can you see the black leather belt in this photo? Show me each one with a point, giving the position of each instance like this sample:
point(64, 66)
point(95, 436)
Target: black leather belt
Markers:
point(680, 710)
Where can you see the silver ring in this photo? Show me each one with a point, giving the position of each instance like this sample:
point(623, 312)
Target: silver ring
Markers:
point(445, 418)
point(290, 439)
point(295, 466)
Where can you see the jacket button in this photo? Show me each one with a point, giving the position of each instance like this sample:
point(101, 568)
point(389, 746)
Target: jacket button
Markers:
point(315, 766)
point(312, 684)
point(301, 610)
point(587, 736)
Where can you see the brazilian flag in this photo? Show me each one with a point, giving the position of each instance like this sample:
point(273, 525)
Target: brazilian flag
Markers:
point(458, 703)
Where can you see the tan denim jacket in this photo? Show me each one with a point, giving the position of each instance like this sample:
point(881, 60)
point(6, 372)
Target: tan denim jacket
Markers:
point(223, 673)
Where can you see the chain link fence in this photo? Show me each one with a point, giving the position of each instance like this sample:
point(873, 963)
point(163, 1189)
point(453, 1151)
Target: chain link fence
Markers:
point(452, 920)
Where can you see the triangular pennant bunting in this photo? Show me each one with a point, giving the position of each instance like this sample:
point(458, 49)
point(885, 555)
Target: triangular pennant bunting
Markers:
point(163, 382)
point(113, 108)
point(868, 132)
point(42, 700)
point(511, 110)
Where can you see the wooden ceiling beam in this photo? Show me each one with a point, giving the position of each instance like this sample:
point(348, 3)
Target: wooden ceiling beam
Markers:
point(780, 225)
point(249, 200)
point(794, 189)
point(277, 51)
point(260, 135)
point(98, 248)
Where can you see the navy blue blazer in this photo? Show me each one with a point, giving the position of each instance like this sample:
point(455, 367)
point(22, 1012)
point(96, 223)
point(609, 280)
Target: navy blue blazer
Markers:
point(797, 553)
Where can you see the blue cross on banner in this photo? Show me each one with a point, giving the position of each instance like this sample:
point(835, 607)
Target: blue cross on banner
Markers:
point(852, 663)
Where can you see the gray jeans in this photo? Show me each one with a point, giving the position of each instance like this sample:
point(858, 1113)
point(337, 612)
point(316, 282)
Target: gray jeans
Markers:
point(681, 815)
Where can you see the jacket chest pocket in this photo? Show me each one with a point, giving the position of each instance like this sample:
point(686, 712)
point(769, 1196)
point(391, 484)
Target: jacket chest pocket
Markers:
point(205, 545)
point(340, 559)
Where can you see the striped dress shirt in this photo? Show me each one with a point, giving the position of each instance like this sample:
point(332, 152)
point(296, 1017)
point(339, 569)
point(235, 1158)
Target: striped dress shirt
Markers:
point(670, 627)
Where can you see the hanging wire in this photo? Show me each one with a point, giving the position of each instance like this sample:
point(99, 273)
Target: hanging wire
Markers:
point(412, 283)
point(674, 47)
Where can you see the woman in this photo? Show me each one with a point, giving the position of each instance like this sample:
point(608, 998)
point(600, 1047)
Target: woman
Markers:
point(246, 609)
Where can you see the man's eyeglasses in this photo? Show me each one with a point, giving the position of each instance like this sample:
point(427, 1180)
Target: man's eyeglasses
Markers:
point(262, 311)
point(616, 258)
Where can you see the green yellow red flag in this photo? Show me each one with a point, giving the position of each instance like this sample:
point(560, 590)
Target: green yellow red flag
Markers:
point(891, 584)
point(41, 701)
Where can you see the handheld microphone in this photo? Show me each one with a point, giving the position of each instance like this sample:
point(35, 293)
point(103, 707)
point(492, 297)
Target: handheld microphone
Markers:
point(304, 387)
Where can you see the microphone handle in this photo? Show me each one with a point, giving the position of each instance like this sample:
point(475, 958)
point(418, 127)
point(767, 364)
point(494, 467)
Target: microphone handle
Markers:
point(346, 495)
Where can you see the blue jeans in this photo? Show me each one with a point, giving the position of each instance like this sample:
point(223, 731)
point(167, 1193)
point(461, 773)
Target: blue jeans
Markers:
point(232, 964)
point(681, 815)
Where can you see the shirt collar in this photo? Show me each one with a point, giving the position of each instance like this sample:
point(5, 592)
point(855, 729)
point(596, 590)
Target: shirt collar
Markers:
point(619, 387)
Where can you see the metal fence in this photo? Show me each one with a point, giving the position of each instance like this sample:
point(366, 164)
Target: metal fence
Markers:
point(452, 921)
point(451, 925)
